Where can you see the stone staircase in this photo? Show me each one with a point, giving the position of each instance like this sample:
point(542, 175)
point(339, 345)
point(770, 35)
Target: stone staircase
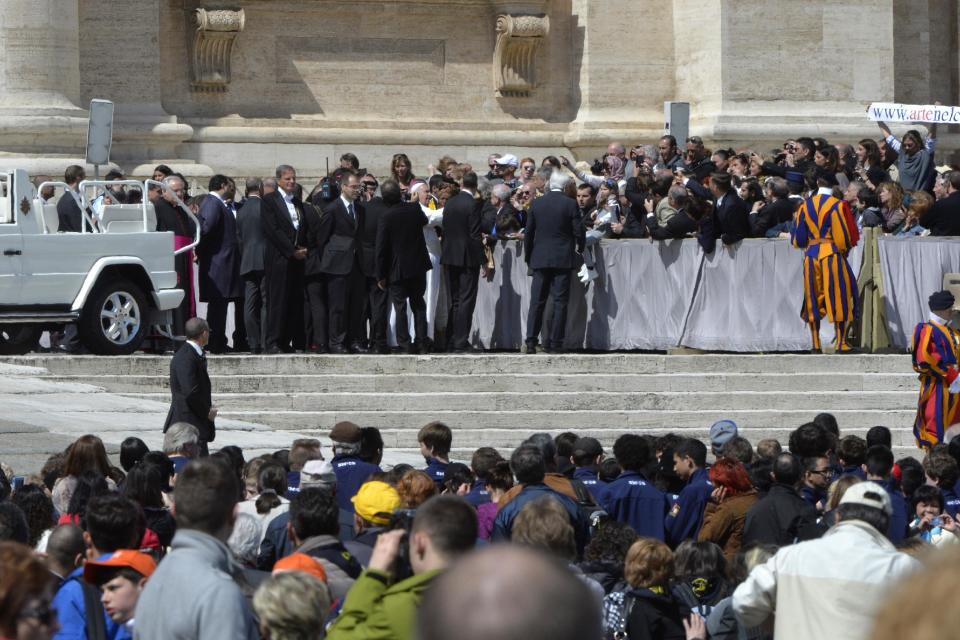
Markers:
point(498, 399)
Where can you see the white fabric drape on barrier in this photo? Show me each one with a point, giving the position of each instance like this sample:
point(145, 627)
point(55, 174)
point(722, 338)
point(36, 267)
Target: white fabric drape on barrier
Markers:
point(912, 269)
point(749, 298)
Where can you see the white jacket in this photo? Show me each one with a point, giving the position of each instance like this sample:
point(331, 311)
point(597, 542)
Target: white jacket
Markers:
point(825, 588)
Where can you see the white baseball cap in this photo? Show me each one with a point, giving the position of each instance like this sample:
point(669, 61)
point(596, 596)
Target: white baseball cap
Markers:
point(508, 159)
point(869, 494)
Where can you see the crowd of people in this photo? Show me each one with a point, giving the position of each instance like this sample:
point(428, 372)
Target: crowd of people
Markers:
point(667, 538)
point(307, 269)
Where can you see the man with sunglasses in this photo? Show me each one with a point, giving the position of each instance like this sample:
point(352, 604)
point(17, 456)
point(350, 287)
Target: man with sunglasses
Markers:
point(696, 161)
point(817, 475)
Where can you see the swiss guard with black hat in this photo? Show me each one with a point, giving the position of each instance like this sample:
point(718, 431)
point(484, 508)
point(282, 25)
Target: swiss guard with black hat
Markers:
point(936, 346)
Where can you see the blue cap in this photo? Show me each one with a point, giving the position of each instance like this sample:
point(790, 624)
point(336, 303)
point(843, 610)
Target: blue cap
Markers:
point(720, 433)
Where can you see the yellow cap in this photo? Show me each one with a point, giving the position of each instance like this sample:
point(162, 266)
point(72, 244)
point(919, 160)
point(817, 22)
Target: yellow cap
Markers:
point(376, 501)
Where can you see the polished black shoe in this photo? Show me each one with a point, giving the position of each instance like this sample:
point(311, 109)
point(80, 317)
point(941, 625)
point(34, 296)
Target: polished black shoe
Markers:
point(339, 350)
point(554, 350)
point(529, 348)
point(316, 348)
point(468, 351)
point(383, 350)
point(273, 351)
point(358, 348)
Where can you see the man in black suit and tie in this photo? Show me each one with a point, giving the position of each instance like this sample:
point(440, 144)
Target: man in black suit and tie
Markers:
point(462, 259)
point(402, 263)
point(554, 236)
point(219, 256)
point(730, 220)
point(69, 215)
point(337, 239)
point(283, 256)
point(250, 239)
point(376, 298)
point(190, 385)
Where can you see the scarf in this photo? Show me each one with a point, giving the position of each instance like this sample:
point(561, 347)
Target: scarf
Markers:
point(916, 171)
point(615, 166)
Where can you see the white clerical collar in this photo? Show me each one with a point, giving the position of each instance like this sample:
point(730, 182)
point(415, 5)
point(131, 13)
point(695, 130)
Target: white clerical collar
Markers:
point(558, 190)
point(824, 191)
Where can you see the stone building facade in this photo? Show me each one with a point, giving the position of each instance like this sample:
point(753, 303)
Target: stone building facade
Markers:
point(240, 86)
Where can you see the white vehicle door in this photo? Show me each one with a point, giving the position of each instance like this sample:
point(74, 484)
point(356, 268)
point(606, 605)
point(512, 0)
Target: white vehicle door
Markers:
point(11, 248)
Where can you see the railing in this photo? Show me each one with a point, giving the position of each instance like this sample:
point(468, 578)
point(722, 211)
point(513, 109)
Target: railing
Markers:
point(180, 203)
point(104, 192)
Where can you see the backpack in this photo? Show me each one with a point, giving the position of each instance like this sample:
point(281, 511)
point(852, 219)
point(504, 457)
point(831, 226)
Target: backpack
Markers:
point(616, 614)
point(591, 511)
point(96, 627)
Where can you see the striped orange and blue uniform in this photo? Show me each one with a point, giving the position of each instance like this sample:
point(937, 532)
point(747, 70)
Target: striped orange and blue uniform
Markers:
point(824, 227)
point(935, 351)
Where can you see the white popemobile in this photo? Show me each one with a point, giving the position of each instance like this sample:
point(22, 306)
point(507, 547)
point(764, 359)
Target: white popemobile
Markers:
point(114, 282)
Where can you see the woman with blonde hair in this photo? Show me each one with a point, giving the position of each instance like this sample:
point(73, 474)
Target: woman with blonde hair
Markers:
point(919, 203)
point(292, 606)
point(890, 195)
point(650, 609)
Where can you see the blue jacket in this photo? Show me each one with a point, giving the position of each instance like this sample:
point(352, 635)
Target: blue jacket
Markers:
point(812, 496)
point(900, 519)
point(293, 483)
point(436, 470)
point(351, 472)
point(684, 520)
point(276, 543)
point(478, 494)
point(596, 486)
point(633, 500)
point(503, 524)
point(72, 612)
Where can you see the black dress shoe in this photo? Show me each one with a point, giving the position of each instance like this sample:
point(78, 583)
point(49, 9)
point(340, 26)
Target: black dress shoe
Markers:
point(358, 348)
point(316, 348)
point(554, 350)
point(273, 351)
point(383, 350)
point(468, 351)
point(339, 350)
point(530, 348)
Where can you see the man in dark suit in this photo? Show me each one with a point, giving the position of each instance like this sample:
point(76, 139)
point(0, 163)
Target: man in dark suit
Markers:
point(250, 239)
point(337, 241)
point(280, 216)
point(376, 298)
point(777, 209)
point(462, 260)
point(943, 218)
point(402, 263)
point(219, 257)
point(68, 206)
point(554, 237)
point(729, 221)
point(192, 400)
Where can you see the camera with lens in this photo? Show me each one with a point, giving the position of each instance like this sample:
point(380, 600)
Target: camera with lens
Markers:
point(402, 519)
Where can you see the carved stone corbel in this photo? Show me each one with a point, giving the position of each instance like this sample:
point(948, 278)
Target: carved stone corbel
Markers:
point(212, 45)
point(515, 56)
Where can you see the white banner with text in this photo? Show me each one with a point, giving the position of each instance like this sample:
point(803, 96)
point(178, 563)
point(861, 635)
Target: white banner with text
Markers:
point(896, 112)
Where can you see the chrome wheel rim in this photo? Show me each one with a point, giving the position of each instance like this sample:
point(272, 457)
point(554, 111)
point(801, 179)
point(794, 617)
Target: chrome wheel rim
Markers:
point(120, 317)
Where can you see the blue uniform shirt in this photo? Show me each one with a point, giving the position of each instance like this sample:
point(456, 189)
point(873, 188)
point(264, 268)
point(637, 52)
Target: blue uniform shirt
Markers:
point(293, 483)
point(478, 494)
point(854, 471)
point(351, 472)
point(899, 519)
point(951, 502)
point(632, 500)
point(811, 495)
point(596, 486)
point(503, 524)
point(72, 611)
point(436, 470)
point(684, 520)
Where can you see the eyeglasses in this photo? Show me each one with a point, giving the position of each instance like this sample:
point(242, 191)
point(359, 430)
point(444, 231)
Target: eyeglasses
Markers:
point(529, 167)
point(823, 472)
point(369, 184)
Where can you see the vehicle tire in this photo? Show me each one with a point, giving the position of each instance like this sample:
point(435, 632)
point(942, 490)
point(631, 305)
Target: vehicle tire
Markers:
point(18, 339)
point(114, 320)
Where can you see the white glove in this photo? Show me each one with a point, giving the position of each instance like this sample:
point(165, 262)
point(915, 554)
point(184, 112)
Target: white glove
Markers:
point(955, 386)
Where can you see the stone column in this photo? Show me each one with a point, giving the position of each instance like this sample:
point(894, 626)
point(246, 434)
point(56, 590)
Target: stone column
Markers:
point(760, 72)
point(40, 85)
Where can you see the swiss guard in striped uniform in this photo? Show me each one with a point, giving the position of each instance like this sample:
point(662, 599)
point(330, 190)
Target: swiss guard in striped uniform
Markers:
point(825, 229)
point(936, 347)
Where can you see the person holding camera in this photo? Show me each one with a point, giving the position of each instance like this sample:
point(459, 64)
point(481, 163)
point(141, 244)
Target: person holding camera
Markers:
point(443, 529)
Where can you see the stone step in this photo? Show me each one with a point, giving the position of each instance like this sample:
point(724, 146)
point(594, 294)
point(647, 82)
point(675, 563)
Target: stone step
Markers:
point(755, 424)
point(478, 365)
point(557, 402)
point(517, 382)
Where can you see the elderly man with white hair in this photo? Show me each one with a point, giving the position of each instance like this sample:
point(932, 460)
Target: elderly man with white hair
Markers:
point(552, 244)
point(420, 192)
point(181, 443)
